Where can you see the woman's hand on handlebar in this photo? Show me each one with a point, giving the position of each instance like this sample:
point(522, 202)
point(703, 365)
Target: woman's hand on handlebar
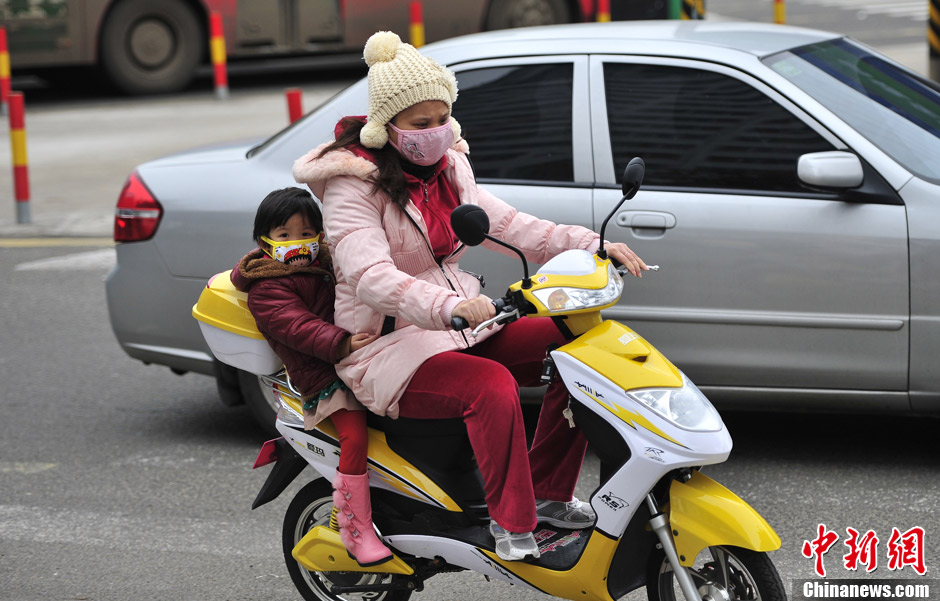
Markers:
point(620, 252)
point(475, 310)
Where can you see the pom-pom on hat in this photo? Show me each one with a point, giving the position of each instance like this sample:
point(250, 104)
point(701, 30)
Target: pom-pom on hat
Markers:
point(400, 77)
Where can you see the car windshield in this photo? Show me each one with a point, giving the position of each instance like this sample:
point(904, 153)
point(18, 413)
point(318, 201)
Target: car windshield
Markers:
point(894, 109)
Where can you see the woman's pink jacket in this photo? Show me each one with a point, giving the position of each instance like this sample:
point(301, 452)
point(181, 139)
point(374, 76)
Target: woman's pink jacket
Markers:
point(384, 266)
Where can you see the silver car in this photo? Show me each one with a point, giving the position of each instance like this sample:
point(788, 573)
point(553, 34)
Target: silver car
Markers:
point(792, 198)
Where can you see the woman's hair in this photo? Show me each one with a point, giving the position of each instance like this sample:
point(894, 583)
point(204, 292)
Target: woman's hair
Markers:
point(279, 206)
point(391, 178)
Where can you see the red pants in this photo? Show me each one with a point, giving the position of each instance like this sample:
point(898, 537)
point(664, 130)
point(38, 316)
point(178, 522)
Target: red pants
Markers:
point(353, 441)
point(481, 385)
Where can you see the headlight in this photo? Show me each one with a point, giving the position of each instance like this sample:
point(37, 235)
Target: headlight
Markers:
point(563, 298)
point(686, 407)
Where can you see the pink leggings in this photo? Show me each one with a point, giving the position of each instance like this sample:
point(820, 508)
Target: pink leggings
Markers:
point(481, 385)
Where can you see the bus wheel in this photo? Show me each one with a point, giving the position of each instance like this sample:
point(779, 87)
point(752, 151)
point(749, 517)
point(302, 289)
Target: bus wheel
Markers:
point(504, 14)
point(151, 47)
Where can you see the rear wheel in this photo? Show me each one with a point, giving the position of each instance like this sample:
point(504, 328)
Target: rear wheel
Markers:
point(719, 574)
point(504, 14)
point(151, 47)
point(311, 507)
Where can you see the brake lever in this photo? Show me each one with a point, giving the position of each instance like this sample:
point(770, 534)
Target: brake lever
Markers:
point(499, 317)
point(623, 270)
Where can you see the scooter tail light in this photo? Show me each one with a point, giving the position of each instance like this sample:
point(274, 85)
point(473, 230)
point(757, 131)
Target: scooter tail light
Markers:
point(267, 454)
point(138, 213)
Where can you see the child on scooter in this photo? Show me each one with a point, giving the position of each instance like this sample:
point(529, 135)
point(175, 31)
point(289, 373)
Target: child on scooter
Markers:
point(291, 289)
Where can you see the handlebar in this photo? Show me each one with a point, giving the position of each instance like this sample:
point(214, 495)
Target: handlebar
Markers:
point(500, 304)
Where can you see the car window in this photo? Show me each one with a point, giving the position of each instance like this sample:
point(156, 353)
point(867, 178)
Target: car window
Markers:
point(701, 129)
point(895, 109)
point(517, 121)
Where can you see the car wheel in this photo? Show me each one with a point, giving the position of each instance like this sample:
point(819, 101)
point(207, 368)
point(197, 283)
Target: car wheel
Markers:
point(504, 14)
point(312, 507)
point(151, 47)
point(260, 400)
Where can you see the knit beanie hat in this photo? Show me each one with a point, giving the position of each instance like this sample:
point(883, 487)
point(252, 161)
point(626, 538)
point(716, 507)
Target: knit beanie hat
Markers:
point(401, 77)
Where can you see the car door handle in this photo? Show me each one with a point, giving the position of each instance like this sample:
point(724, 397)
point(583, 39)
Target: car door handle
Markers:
point(646, 220)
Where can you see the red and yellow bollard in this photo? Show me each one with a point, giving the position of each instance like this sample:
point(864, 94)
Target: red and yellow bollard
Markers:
point(933, 40)
point(20, 164)
point(603, 11)
point(4, 71)
point(295, 109)
point(780, 12)
point(217, 50)
point(417, 24)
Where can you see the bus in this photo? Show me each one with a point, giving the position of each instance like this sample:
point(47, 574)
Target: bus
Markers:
point(157, 46)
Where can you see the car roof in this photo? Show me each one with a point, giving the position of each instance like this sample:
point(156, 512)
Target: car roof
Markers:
point(758, 39)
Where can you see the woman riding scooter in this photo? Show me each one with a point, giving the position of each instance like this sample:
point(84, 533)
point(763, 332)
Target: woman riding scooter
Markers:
point(388, 184)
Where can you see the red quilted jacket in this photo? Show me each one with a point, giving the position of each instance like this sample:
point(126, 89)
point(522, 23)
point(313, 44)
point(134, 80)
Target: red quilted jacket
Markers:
point(293, 307)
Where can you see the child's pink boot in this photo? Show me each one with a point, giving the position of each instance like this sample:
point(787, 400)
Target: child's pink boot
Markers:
point(351, 496)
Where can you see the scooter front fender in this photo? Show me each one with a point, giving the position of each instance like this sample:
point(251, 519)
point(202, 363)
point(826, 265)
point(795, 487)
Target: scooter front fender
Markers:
point(703, 513)
point(322, 550)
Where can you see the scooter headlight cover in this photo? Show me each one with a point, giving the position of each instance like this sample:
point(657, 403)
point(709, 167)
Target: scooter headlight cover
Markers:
point(686, 407)
point(287, 414)
point(563, 299)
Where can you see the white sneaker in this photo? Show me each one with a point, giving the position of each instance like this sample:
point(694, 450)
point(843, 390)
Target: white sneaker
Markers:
point(513, 546)
point(573, 515)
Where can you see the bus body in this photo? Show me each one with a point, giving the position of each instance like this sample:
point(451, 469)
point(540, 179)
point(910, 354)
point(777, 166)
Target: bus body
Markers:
point(151, 46)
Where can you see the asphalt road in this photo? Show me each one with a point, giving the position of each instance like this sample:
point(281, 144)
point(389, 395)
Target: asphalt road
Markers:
point(123, 481)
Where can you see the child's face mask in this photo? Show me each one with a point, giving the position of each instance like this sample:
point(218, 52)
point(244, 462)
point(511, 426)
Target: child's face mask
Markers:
point(293, 252)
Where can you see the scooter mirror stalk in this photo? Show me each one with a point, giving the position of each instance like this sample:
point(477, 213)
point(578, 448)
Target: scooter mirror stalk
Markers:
point(629, 185)
point(471, 225)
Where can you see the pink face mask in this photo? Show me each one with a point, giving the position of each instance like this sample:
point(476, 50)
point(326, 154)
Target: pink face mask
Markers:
point(424, 146)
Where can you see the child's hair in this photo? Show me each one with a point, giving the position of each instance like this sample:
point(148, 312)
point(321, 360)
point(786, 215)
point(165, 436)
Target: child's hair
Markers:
point(280, 205)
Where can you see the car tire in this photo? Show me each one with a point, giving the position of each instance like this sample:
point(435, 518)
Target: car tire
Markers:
point(505, 14)
point(259, 397)
point(151, 47)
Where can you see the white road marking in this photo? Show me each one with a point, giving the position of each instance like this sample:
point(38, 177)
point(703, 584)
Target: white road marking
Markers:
point(175, 534)
point(104, 258)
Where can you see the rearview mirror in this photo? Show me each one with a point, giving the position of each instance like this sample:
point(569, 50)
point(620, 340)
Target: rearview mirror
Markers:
point(831, 170)
point(632, 177)
point(470, 224)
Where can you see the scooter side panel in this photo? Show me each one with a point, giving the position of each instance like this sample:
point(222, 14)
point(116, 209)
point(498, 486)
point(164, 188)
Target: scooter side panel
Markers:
point(387, 469)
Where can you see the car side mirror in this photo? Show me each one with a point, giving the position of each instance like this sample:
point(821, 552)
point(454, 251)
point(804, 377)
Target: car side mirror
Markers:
point(833, 170)
point(470, 223)
point(632, 178)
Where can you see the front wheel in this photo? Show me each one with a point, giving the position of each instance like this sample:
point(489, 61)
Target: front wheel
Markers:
point(311, 507)
point(719, 574)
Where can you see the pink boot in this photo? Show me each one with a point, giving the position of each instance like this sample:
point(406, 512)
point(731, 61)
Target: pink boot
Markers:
point(351, 496)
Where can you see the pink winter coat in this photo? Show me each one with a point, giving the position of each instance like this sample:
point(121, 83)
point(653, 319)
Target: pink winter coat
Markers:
point(384, 265)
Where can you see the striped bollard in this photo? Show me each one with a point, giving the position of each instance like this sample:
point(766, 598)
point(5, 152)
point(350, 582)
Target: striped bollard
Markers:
point(295, 108)
point(603, 11)
point(4, 71)
point(933, 39)
point(780, 12)
point(693, 9)
point(417, 25)
point(217, 50)
point(18, 144)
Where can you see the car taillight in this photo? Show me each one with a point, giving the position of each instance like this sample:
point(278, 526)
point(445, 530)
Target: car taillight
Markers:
point(137, 214)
